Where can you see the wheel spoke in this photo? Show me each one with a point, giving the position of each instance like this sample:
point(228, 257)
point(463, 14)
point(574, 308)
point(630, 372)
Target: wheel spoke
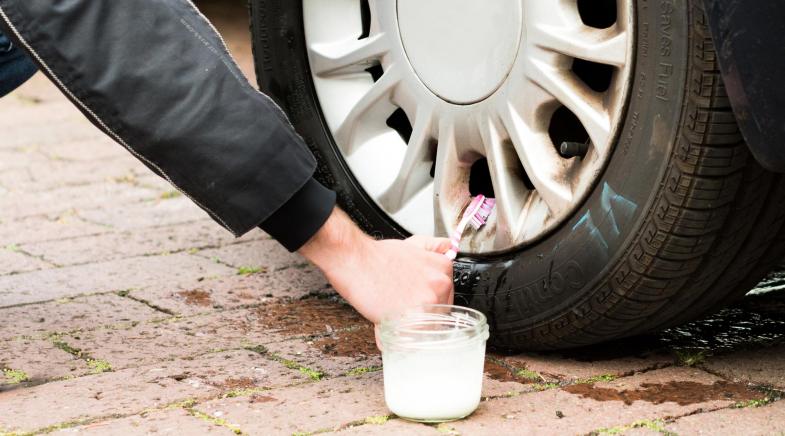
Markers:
point(604, 46)
point(414, 174)
point(509, 189)
point(349, 56)
point(545, 168)
point(450, 182)
point(576, 96)
point(376, 103)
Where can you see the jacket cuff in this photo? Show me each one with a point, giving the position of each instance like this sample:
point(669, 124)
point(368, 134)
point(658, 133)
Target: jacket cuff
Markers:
point(294, 223)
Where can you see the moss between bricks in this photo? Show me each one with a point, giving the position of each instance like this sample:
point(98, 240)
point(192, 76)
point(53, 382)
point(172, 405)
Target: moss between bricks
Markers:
point(311, 373)
point(214, 420)
point(377, 420)
point(248, 270)
point(546, 386)
point(528, 374)
point(186, 405)
point(245, 392)
point(99, 366)
point(771, 395)
point(657, 426)
point(170, 194)
point(55, 427)
point(58, 342)
point(15, 376)
point(596, 379)
point(691, 357)
point(364, 370)
point(261, 349)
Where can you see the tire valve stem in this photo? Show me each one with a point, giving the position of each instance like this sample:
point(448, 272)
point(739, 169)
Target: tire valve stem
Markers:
point(570, 149)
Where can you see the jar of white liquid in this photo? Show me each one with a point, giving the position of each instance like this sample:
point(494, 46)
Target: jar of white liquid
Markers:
point(433, 362)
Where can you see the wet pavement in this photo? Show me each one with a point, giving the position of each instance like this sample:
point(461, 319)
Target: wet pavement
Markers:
point(125, 310)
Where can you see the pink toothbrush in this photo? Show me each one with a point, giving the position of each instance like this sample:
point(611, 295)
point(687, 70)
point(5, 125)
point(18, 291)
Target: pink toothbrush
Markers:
point(475, 215)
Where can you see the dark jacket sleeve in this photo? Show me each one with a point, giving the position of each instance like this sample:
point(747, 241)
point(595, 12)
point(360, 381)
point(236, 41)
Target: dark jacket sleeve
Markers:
point(156, 77)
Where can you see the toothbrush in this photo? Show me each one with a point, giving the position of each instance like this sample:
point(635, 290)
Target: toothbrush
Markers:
point(475, 215)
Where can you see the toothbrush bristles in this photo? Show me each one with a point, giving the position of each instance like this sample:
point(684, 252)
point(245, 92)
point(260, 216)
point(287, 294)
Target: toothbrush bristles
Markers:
point(483, 213)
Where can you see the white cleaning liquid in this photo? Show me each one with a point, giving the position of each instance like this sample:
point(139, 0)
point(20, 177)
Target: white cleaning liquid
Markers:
point(433, 362)
point(439, 385)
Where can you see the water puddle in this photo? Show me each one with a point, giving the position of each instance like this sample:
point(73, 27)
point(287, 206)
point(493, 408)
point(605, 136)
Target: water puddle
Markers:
point(681, 392)
point(756, 321)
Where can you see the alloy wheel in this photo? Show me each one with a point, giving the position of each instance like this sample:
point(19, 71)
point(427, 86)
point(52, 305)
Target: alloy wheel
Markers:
point(432, 102)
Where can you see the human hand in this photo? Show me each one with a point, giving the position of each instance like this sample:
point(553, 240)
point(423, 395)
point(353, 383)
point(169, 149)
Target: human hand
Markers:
point(381, 277)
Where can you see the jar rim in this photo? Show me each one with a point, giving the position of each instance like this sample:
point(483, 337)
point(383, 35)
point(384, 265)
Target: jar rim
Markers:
point(414, 327)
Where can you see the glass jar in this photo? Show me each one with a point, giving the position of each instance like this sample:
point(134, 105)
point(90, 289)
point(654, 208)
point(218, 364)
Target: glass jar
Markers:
point(433, 362)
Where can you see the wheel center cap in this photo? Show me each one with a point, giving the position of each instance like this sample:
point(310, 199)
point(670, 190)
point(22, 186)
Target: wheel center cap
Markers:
point(462, 50)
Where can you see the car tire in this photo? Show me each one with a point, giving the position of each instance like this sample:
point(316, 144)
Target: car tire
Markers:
point(681, 222)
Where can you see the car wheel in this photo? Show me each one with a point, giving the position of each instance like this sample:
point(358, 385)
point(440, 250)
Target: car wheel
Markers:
point(626, 198)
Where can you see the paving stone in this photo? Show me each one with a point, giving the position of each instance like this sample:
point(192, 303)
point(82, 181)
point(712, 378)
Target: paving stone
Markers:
point(140, 215)
point(536, 413)
point(34, 94)
point(23, 115)
point(174, 422)
point(267, 254)
point(21, 160)
point(37, 229)
point(84, 313)
point(330, 404)
point(391, 427)
point(766, 420)
point(124, 392)
point(40, 361)
point(106, 276)
point(307, 354)
point(12, 261)
point(494, 388)
point(67, 128)
point(114, 245)
point(148, 343)
point(99, 149)
point(58, 174)
point(16, 179)
point(643, 431)
point(234, 291)
point(555, 367)
point(145, 178)
point(56, 201)
point(234, 372)
point(764, 366)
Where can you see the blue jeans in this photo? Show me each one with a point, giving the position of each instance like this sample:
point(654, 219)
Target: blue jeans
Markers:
point(15, 66)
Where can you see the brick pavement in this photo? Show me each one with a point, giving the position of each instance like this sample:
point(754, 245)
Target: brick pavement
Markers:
point(125, 310)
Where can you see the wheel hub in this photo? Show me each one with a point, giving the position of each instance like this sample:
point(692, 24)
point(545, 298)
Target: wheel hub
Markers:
point(462, 50)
